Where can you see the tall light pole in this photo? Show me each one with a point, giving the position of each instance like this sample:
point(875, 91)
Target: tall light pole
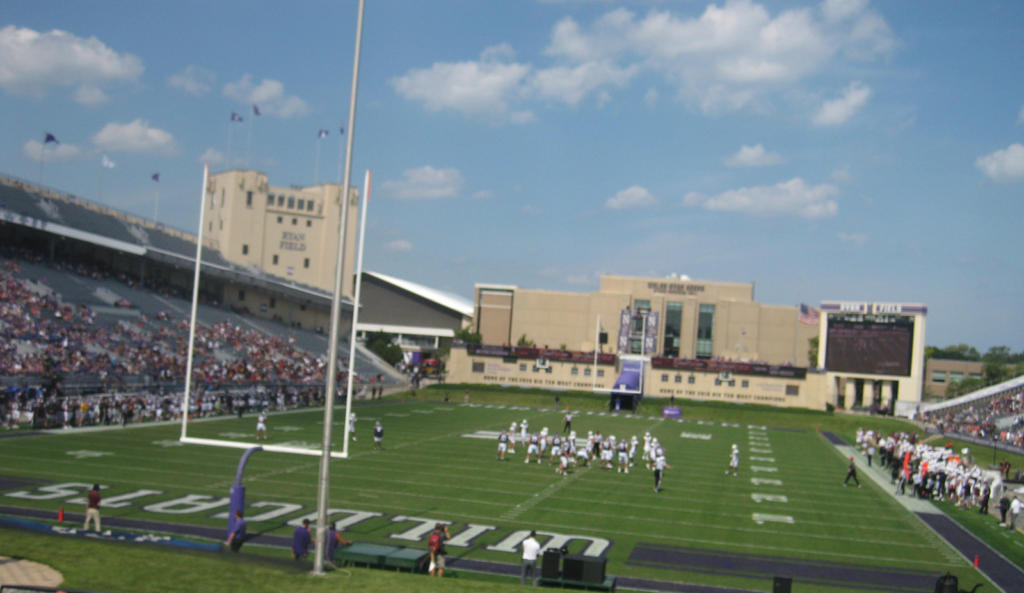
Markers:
point(323, 490)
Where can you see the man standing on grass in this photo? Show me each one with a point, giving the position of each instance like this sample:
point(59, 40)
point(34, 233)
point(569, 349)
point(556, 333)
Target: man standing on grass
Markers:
point(659, 467)
point(1015, 507)
point(378, 436)
point(502, 445)
point(261, 425)
point(1004, 507)
point(334, 540)
point(92, 509)
point(237, 536)
point(567, 426)
point(437, 551)
point(530, 550)
point(301, 541)
point(851, 472)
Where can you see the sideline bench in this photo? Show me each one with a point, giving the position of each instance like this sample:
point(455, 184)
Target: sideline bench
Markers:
point(609, 584)
point(383, 556)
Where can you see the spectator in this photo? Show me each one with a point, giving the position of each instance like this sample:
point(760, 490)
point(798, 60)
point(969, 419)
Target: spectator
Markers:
point(301, 541)
point(530, 550)
point(437, 549)
point(237, 536)
point(92, 509)
point(334, 540)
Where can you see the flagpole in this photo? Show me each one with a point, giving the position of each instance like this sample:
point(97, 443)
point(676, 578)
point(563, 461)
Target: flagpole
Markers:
point(248, 141)
point(156, 206)
point(323, 486)
point(102, 167)
point(42, 159)
point(231, 125)
point(341, 153)
point(796, 326)
point(316, 167)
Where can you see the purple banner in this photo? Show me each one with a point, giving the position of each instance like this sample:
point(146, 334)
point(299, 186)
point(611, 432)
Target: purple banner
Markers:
point(625, 319)
point(651, 333)
point(668, 412)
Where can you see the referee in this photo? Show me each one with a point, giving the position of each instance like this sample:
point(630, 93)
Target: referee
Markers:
point(567, 427)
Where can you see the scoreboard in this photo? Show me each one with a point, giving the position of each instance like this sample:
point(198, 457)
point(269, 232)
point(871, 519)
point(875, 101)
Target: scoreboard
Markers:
point(869, 343)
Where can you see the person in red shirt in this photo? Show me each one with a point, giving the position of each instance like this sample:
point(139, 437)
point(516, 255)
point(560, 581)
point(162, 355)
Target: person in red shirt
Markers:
point(92, 511)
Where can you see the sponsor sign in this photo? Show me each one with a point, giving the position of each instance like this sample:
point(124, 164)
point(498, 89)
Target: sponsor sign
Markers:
point(739, 368)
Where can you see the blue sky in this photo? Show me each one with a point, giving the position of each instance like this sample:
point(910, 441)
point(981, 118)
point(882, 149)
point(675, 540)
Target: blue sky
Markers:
point(842, 150)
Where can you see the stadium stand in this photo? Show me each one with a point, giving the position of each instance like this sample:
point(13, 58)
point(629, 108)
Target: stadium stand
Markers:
point(995, 412)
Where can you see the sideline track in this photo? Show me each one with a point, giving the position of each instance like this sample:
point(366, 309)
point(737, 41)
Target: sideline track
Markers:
point(1005, 575)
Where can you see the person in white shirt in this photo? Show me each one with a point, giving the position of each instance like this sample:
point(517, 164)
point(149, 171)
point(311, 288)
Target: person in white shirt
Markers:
point(261, 425)
point(532, 449)
point(352, 425)
point(530, 550)
point(659, 467)
point(512, 438)
point(1015, 508)
point(502, 445)
point(734, 461)
point(623, 448)
point(523, 430)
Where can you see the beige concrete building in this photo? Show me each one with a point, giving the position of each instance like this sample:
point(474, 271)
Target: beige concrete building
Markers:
point(675, 318)
point(938, 374)
point(290, 232)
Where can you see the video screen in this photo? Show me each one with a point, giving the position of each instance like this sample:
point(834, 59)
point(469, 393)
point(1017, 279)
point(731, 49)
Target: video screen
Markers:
point(870, 344)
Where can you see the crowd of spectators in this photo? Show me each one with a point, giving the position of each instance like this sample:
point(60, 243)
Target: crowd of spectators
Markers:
point(978, 419)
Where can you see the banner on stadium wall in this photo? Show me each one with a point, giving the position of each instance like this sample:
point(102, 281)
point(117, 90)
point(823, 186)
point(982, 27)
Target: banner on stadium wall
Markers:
point(651, 333)
point(739, 368)
point(484, 350)
point(530, 352)
point(625, 320)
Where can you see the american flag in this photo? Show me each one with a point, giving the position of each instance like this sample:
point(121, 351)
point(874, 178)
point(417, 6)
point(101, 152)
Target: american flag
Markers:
point(322, 134)
point(256, 110)
point(235, 116)
point(808, 315)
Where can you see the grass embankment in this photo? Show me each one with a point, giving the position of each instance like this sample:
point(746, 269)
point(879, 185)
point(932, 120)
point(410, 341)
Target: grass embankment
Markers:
point(122, 568)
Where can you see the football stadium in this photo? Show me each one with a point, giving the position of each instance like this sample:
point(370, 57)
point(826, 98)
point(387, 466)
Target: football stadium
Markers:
point(244, 406)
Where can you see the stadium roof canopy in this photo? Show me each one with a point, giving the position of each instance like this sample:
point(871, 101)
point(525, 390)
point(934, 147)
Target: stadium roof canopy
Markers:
point(451, 301)
point(977, 395)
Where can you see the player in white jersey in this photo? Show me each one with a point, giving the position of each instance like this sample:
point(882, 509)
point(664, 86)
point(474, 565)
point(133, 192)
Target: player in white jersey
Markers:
point(512, 438)
point(532, 449)
point(502, 445)
point(734, 461)
point(352, 425)
point(543, 441)
point(563, 463)
point(606, 453)
point(556, 448)
point(624, 456)
point(655, 445)
point(522, 430)
point(632, 450)
point(659, 467)
point(647, 446)
point(261, 425)
point(569, 448)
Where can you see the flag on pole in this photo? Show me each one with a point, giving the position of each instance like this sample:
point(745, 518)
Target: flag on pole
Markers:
point(342, 131)
point(108, 163)
point(156, 177)
point(808, 315)
point(235, 117)
point(322, 134)
point(256, 109)
point(51, 138)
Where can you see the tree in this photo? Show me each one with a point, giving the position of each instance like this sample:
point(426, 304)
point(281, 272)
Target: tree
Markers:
point(958, 388)
point(381, 344)
point(812, 352)
point(524, 342)
point(995, 372)
point(957, 352)
point(467, 336)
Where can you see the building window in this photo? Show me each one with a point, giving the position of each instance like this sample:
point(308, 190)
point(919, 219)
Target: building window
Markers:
point(280, 201)
point(955, 376)
point(548, 370)
point(275, 260)
point(664, 378)
point(673, 328)
point(280, 219)
point(792, 390)
point(309, 206)
point(273, 302)
point(302, 307)
point(718, 382)
point(536, 369)
point(248, 199)
point(221, 225)
point(291, 202)
point(305, 263)
point(586, 372)
point(211, 227)
point(691, 380)
point(938, 376)
point(245, 250)
point(223, 197)
point(705, 331)
point(295, 221)
point(478, 367)
point(744, 383)
point(522, 368)
point(575, 371)
point(241, 295)
point(732, 383)
point(270, 200)
point(309, 223)
point(600, 372)
point(302, 204)
point(291, 270)
point(679, 378)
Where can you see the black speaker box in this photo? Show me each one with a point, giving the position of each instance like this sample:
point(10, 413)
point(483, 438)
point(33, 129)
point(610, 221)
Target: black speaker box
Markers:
point(586, 569)
point(782, 585)
point(549, 569)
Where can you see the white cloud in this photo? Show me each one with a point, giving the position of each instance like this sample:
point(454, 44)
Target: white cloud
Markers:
point(31, 63)
point(426, 183)
point(572, 84)
point(651, 98)
point(839, 111)
point(1003, 165)
point(136, 136)
point(193, 80)
point(855, 238)
point(212, 157)
point(89, 95)
point(33, 149)
point(791, 198)
point(400, 245)
point(754, 156)
point(269, 95)
point(632, 197)
point(531, 210)
point(842, 175)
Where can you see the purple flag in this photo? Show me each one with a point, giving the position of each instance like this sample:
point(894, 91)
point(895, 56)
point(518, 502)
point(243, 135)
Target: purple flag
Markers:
point(156, 177)
point(50, 138)
point(322, 134)
point(343, 131)
point(256, 110)
point(235, 116)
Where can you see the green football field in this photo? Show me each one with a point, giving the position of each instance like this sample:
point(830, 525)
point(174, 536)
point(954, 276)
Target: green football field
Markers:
point(787, 503)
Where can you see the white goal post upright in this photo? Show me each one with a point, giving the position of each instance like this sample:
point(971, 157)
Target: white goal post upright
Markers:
point(355, 309)
point(195, 305)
